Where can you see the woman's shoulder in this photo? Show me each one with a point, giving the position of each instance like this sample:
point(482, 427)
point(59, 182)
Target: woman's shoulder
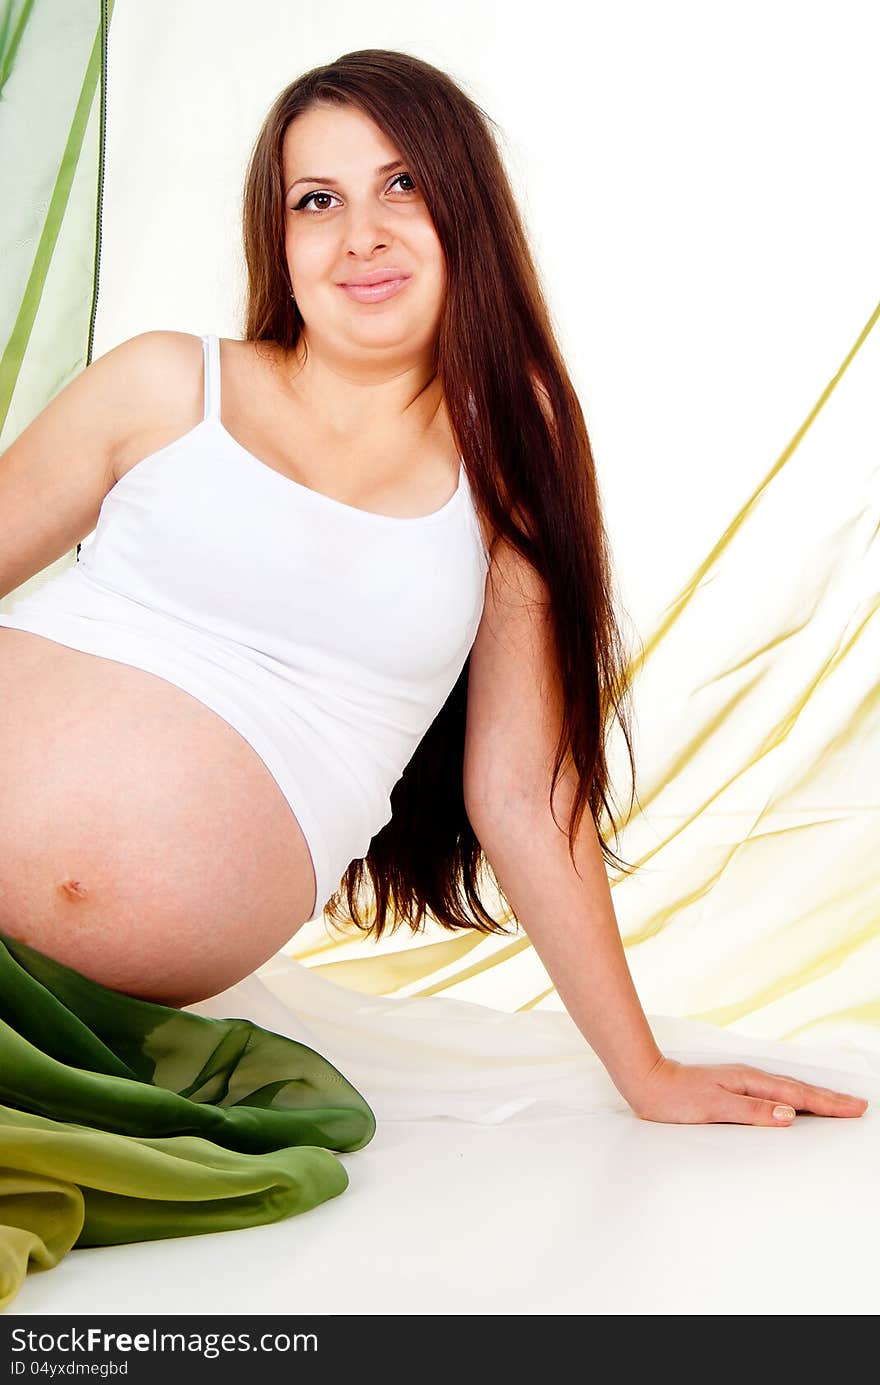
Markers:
point(164, 394)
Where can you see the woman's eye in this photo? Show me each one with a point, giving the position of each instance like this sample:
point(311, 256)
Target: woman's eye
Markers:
point(311, 197)
point(304, 201)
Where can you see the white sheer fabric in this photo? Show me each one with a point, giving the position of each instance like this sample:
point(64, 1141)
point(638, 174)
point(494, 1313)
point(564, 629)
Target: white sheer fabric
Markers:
point(424, 1058)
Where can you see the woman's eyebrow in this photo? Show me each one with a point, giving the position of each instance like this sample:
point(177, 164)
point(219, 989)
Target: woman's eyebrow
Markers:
point(323, 178)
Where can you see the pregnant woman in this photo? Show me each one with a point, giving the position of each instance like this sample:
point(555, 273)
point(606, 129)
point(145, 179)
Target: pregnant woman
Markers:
point(341, 618)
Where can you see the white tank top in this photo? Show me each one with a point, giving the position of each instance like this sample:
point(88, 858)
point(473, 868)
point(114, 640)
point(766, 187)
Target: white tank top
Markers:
point(328, 636)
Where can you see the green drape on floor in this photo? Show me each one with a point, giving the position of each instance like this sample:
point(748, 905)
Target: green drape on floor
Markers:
point(125, 1120)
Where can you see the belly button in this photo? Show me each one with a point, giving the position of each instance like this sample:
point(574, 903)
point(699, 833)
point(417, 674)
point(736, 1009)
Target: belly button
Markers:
point(73, 889)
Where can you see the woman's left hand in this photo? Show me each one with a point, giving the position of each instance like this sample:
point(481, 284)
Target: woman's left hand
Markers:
point(691, 1094)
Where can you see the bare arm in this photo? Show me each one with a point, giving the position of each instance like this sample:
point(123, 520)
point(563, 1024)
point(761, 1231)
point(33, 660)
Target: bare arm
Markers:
point(513, 720)
point(54, 476)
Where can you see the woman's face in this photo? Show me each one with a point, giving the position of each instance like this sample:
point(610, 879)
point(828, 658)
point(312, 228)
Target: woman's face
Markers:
point(347, 214)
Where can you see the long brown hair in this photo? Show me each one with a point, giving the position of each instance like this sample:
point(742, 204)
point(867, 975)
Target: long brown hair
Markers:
point(528, 459)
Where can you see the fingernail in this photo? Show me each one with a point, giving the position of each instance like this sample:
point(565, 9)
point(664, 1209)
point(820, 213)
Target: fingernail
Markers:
point(783, 1113)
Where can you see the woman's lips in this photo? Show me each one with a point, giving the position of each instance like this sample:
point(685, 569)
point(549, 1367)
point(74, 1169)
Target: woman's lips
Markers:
point(374, 293)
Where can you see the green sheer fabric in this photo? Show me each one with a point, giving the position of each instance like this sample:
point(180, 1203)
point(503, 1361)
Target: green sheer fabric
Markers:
point(124, 1120)
point(53, 82)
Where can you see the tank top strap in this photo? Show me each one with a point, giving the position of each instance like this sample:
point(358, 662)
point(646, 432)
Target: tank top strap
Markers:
point(211, 349)
point(471, 507)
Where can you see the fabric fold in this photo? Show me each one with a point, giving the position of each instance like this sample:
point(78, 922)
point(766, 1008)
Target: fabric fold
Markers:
point(125, 1120)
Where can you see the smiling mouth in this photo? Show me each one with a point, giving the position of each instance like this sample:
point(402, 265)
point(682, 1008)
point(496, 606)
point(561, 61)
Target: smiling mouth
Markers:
point(374, 293)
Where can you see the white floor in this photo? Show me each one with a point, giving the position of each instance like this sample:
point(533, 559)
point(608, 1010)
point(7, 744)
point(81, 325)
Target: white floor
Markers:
point(507, 1175)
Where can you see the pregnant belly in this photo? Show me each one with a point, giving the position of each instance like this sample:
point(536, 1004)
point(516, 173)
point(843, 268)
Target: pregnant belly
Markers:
point(142, 839)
